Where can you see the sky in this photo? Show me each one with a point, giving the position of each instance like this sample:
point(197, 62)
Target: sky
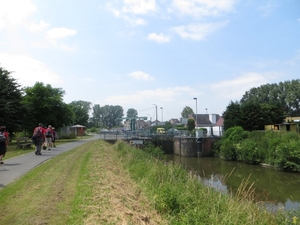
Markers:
point(150, 55)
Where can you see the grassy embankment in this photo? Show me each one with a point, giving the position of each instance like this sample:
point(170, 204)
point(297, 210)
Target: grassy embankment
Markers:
point(97, 183)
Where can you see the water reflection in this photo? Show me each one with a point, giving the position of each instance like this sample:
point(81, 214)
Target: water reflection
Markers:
point(272, 187)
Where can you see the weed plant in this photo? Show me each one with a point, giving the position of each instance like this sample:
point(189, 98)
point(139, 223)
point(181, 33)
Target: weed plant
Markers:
point(179, 196)
point(279, 149)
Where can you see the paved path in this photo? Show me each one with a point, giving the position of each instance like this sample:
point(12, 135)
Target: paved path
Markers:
point(13, 168)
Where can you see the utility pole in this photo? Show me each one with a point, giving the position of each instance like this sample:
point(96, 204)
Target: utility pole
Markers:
point(196, 113)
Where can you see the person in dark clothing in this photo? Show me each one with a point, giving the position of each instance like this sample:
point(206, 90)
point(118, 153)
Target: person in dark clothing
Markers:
point(39, 138)
point(3, 142)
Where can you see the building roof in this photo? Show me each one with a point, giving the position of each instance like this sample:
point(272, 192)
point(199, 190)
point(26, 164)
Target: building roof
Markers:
point(220, 122)
point(203, 120)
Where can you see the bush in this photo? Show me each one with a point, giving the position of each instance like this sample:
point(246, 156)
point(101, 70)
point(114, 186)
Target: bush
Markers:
point(248, 152)
point(287, 156)
point(154, 151)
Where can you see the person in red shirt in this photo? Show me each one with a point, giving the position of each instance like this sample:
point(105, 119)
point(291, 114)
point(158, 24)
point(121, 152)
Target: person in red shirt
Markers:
point(39, 138)
point(4, 143)
point(49, 137)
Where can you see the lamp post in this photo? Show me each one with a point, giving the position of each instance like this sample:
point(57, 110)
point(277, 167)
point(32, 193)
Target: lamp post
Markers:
point(162, 113)
point(155, 113)
point(196, 113)
point(206, 110)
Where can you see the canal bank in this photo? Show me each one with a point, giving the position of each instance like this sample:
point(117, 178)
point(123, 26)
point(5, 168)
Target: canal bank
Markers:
point(274, 188)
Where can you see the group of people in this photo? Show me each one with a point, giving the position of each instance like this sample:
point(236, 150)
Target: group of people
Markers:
point(44, 137)
point(3, 142)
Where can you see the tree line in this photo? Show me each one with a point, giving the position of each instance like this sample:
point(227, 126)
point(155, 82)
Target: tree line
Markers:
point(23, 108)
point(264, 105)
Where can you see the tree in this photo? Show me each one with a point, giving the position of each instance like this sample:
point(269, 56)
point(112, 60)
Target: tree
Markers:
point(132, 112)
point(191, 125)
point(251, 115)
point(232, 115)
point(96, 119)
point(285, 95)
point(186, 112)
point(110, 115)
point(12, 110)
point(81, 110)
point(44, 104)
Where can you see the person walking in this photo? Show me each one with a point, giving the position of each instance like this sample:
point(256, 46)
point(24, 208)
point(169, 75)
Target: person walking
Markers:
point(49, 137)
point(54, 137)
point(3, 142)
point(39, 138)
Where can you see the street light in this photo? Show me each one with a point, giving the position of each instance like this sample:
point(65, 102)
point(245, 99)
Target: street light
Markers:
point(196, 113)
point(156, 113)
point(162, 113)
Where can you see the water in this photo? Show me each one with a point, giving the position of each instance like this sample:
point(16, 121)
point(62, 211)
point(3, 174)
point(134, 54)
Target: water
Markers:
point(275, 189)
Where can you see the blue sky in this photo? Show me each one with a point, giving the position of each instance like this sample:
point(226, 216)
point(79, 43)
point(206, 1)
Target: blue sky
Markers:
point(137, 53)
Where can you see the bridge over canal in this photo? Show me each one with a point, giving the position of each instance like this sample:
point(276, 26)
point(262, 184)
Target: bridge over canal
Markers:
point(180, 144)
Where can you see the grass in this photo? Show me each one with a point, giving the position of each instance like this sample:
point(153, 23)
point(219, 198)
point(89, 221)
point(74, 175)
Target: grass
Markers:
point(98, 183)
point(87, 185)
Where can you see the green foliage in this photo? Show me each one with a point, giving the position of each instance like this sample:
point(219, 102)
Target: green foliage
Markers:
point(191, 124)
point(232, 115)
point(285, 95)
point(44, 104)
point(156, 152)
point(110, 115)
point(180, 198)
point(132, 112)
point(95, 120)
point(93, 130)
point(168, 125)
point(230, 142)
point(252, 115)
point(186, 112)
point(236, 134)
point(11, 107)
point(204, 129)
point(81, 110)
point(280, 149)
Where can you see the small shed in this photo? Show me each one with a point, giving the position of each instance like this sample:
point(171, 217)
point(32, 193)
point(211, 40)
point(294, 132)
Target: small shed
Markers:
point(293, 127)
point(78, 130)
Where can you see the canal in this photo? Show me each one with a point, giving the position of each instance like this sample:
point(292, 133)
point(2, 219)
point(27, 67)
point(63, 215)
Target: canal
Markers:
point(273, 188)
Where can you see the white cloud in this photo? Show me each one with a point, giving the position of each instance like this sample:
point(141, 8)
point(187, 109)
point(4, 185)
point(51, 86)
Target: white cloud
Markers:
point(267, 9)
point(58, 33)
point(42, 25)
point(236, 88)
point(134, 21)
point(199, 8)
point(169, 95)
point(28, 70)
point(198, 31)
point(139, 75)
point(160, 38)
point(14, 12)
point(139, 6)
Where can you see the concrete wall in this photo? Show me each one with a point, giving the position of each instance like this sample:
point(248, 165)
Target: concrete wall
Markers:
point(188, 146)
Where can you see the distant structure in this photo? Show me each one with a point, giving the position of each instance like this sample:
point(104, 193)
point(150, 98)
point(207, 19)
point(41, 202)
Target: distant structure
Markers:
point(214, 123)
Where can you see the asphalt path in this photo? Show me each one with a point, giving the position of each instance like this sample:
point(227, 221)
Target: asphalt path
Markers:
point(15, 167)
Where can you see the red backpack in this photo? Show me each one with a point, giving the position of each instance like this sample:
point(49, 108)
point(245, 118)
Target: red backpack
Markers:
point(38, 132)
